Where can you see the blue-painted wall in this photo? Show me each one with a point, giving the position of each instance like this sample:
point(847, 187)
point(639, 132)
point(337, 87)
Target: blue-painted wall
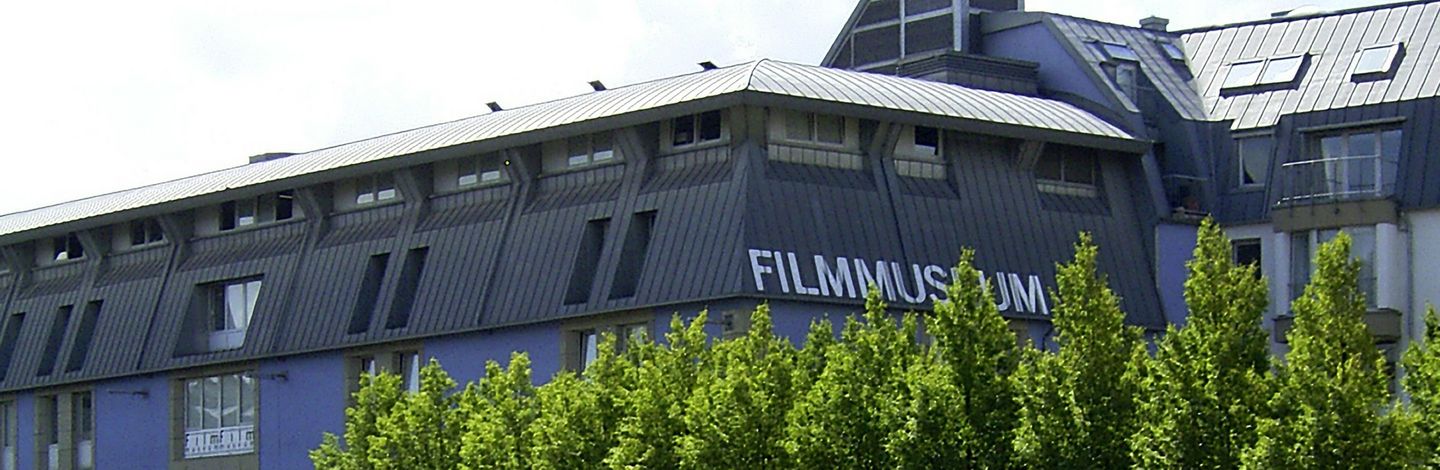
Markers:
point(1058, 69)
point(296, 410)
point(132, 423)
point(1174, 246)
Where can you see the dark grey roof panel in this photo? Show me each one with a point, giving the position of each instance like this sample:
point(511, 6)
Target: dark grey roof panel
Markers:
point(1163, 72)
point(1332, 42)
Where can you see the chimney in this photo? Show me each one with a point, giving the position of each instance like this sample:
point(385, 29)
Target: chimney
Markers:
point(494, 107)
point(597, 85)
point(1155, 23)
point(265, 157)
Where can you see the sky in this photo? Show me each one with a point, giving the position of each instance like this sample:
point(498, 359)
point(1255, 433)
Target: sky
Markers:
point(104, 96)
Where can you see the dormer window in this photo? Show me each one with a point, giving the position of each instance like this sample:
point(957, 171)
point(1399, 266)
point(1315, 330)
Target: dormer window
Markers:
point(827, 129)
point(371, 189)
point(229, 307)
point(67, 247)
point(1071, 173)
point(1375, 60)
point(1115, 51)
point(1172, 50)
point(145, 232)
point(919, 143)
point(697, 129)
point(1272, 71)
point(590, 149)
point(257, 210)
point(483, 170)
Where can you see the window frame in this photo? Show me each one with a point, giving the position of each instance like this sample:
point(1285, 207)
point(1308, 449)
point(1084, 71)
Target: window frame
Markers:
point(385, 359)
point(1258, 244)
point(1344, 185)
point(152, 233)
point(590, 155)
point(238, 434)
point(216, 308)
point(1115, 51)
point(67, 247)
point(1172, 50)
point(477, 168)
point(1395, 49)
point(781, 132)
point(263, 210)
point(1239, 161)
point(581, 338)
point(1065, 186)
point(696, 142)
point(9, 433)
point(1259, 80)
point(368, 190)
point(1369, 285)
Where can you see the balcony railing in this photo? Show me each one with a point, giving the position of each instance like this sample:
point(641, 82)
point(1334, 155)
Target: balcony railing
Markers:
point(221, 441)
point(1337, 179)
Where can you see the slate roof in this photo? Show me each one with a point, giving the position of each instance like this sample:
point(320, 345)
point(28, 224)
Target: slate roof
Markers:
point(764, 77)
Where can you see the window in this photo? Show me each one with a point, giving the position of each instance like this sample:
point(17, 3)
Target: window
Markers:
point(405, 363)
point(590, 149)
point(587, 261)
point(9, 436)
point(58, 325)
point(219, 415)
point(632, 255)
point(1375, 60)
point(1119, 51)
point(82, 429)
point(7, 344)
point(1303, 246)
point(582, 344)
point(230, 307)
point(145, 232)
point(47, 427)
point(67, 247)
point(1253, 160)
point(80, 346)
point(925, 141)
point(1272, 71)
point(481, 170)
point(406, 288)
point(375, 188)
point(246, 212)
point(363, 312)
point(1357, 161)
point(1247, 252)
point(1172, 50)
point(696, 129)
point(1073, 173)
point(816, 128)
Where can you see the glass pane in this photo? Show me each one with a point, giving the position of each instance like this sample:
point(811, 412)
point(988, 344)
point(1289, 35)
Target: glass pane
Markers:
point(577, 160)
point(710, 125)
point(1049, 167)
point(194, 405)
point(1173, 51)
point(1243, 74)
point(1081, 168)
point(1390, 145)
point(412, 372)
point(578, 146)
point(1374, 60)
point(1299, 263)
point(1119, 51)
point(1282, 70)
point(245, 212)
point(467, 179)
point(927, 140)
point(491, 175)
point(682, 130)
point(829, 129)
point(284, 205)
point(234, 306)
point(1332, 147)
point(589, 349)
point(247, 398)
point(1254, 160)
point(1363, 145)
point(797, 125)
point(252, 295)
point(604, 150)
point(229, 400)
point(211, 410)
point(218, 308)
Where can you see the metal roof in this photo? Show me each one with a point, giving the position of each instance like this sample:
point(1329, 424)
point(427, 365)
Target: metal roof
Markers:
point(1162, 71)
point(762, 77)
point(1331, 41)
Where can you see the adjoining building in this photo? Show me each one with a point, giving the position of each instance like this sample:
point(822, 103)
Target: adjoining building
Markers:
point(220, 321)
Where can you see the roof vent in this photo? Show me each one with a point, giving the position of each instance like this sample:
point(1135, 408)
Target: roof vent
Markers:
point(1155, 23)
point(494, 107)
point(597, 85)
point(708, 65)
point(1306, 10)
point(265, 157)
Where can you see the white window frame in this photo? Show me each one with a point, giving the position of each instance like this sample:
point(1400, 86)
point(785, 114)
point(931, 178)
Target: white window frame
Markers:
point(812, 125)
point(205, 430)
point(1394, 49)
point(581, 151)
point(1259, 77)
point(230, 308)
point(1368, 277)
point(1240, 160)
point(1172, 50)
point(1117, 51)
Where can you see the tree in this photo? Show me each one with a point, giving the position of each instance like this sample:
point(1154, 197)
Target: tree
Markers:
point(1208, 382)
point(1332, 401)
point(655, 409)
point(387, 428)
point(736, 413)
point(1077, 406)
point(1422, 381)
point(577, 420)
point(981, 353)
point(499, 411)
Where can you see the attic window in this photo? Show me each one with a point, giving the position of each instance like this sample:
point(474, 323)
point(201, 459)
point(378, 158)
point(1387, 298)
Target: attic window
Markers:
point(1173, 51)
point(1272, 71)
point(1375, 60)
point(67, 247)
point(1119, 52)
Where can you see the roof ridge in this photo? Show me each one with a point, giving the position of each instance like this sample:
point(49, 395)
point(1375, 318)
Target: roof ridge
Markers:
point(1282, 19)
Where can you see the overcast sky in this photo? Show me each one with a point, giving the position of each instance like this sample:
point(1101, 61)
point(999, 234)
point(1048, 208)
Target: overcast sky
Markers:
point(104, 96)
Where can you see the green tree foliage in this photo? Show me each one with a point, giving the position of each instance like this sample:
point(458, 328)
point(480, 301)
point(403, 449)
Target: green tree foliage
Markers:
point(577, 420)
point(654, 422)
point(1422, 381)
point(1208, 383)
point(1330, 408)
point(387, 428)
point(977, 346)
point(499, 411)
point(1078, 405)
point(737, 409)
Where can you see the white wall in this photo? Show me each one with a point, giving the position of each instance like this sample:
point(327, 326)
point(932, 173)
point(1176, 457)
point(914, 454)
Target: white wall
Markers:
point(1424, 259)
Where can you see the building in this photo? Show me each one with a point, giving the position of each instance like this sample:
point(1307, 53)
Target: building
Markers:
point(219, 321)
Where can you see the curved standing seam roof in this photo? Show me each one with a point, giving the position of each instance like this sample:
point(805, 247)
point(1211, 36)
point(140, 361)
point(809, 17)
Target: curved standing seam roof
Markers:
point(764, 76)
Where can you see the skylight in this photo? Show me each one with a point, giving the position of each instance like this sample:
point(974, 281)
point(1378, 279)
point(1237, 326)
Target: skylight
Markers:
point(1375, 59)
point(1272, 71)
point(1172, 51)
point(1119, 51)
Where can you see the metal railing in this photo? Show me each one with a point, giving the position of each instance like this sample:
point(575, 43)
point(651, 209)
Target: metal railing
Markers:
point(1337, 178)
point(220, 441)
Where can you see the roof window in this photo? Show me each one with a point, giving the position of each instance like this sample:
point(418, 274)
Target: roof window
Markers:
point(1172, 50)
point(1375, 60)
point(1119, 51)
point(1271, 71)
